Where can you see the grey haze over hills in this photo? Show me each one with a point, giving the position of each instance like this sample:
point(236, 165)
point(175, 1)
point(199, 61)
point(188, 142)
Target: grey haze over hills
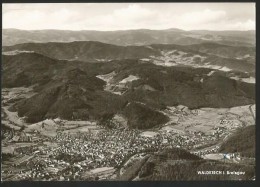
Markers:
point(131, 37)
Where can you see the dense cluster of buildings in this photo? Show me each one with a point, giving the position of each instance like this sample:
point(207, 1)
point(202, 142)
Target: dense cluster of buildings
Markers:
point(70, 156)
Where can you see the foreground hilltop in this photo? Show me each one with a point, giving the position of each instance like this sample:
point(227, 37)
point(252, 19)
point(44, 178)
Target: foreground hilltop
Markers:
point(173, 164)
point(242, 141)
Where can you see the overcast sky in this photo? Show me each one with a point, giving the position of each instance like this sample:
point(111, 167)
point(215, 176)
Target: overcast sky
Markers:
point(122, 16)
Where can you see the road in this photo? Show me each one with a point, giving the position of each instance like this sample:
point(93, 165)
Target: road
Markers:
point(14, 118)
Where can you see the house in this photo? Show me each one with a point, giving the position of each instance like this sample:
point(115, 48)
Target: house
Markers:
point(24, 137)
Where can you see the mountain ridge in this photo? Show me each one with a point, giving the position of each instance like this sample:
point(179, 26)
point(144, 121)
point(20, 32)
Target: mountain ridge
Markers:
point(92, 51)
point(129, 37)
point(68, 84)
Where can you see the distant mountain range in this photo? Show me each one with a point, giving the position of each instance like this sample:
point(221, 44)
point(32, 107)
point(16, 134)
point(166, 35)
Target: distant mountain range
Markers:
point(134, 73)
point(85, 50)
point(210, 55)
point(72, 89)
point(130, 37)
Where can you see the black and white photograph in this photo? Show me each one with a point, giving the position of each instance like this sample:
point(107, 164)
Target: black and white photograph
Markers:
point(128, 91)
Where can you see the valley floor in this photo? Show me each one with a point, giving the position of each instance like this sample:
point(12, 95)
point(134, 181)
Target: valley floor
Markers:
point(57, 149)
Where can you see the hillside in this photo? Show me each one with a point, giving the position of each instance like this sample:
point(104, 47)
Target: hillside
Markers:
point(74, 90)
point(26, 69)
point(209, 55)
point(160, 86)
point(74, 96)
point(243, 141)
point(85, 51)
point(238, 52)
point(172, 164)
point(238, 38)
point(140, 116)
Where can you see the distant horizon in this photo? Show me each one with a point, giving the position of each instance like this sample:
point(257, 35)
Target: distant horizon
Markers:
point(125, 30)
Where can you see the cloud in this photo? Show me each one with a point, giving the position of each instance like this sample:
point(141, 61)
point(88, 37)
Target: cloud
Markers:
point(206, 19)
point(121, 16)
point(38, 19)
point(133, 13)
point(247, 25)
point(202, 17)
point(72, 18)
point(133, 16)
point(18, 19)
